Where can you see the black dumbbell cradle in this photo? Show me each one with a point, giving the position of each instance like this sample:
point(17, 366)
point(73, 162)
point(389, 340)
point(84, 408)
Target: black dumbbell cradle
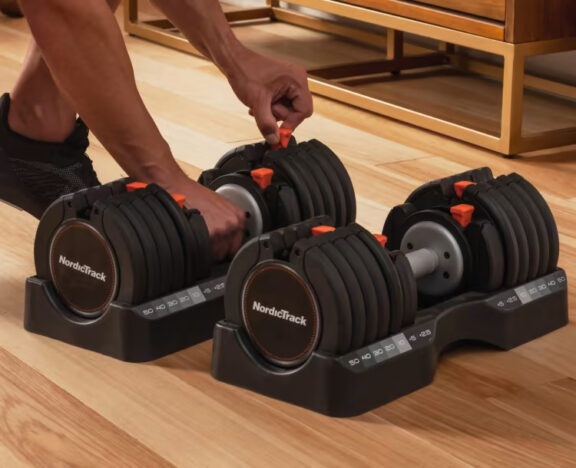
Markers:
point(131, 333)
point(373, 375)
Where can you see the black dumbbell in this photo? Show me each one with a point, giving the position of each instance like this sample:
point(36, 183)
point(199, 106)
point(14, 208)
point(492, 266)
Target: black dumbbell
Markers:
point(311, 287)
point(280, 186)
point(125, 242)
point(473, 232)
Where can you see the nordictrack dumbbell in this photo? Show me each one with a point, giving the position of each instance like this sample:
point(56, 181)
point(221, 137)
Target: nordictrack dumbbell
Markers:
point(329, 319)
point(283, 186)
point(123, 242)
point(473, 232)
point(124, 269)
point(340, 290)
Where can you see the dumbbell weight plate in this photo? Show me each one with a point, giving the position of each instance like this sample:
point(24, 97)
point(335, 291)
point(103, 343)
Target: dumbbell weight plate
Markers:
point(110, 221)
point(242, 158)
point(481, 194)
point(283, 324)
point(187, 240)
point(161, 251)
point(554, 246)
point(202, 243)
point(328, 172)
point(345, 183)
point(146, 241)
point(368, 274)
point(352, 290)
point(488, 255)
point(526, 220)
point(382, 319)
point(319, 180)
point(520, 234)
point(392, 279)
point(539, 224)
point(288, 208)
point(409, 287)
point(176, 255)
point(295, 158)
point(293, 178)
point(336, 316)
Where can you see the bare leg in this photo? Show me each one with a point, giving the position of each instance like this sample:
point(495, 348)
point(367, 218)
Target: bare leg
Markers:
point(38, 109)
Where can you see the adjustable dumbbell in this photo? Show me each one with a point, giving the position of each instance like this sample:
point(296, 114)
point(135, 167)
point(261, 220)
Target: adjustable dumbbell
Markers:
point(284, 185)
point(471, 231)
point(121, 242)
point(311, 287)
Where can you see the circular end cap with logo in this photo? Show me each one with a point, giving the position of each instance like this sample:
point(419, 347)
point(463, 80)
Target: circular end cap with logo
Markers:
point(83, 268)
point(280, 313)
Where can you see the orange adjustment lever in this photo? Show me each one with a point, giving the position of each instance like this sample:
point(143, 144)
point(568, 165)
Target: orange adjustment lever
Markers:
point(319, 230)
point(382, 239)
point(462, 214)
point(461, 185)
point(285, 135)
point(180, 199)
point(132, 186)
point(262, 176)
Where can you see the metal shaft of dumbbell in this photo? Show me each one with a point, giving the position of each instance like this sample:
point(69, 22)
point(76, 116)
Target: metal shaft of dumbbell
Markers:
point(423, 262)
point(435, 257)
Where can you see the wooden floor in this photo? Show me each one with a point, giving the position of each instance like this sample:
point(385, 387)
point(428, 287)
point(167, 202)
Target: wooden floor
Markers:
point(65, 406)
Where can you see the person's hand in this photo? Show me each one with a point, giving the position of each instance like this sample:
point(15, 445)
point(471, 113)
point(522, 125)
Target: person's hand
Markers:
point(225, 220)
point(273, 91)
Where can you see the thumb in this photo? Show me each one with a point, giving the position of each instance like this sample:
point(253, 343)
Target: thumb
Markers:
point(266, 121)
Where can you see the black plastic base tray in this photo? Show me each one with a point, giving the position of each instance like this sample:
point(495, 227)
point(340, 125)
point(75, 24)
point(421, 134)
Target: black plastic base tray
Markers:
point(130, 333)
point(362, 380)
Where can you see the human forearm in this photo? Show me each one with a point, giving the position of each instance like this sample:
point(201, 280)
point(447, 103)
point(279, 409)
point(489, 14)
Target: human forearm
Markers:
point(205, 26)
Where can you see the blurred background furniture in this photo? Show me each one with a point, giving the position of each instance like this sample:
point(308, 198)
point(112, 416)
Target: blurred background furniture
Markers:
point(506, 32)
point(10, 8)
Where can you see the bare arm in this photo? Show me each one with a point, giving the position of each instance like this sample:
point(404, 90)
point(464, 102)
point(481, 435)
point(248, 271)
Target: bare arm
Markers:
point(263, 84)
point(87, 58)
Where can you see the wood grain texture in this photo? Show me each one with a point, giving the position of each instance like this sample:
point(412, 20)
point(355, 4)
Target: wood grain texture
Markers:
point(430, 14)
point(63, 406)
point(536, 20)
point(493, 9)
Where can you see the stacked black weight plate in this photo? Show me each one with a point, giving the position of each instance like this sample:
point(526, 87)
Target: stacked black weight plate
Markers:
point(155, 246)
point(512, 235)
point(309, 180)
point(353, 279)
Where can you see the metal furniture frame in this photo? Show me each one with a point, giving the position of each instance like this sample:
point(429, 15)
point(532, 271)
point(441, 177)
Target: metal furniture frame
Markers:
point(335, 82)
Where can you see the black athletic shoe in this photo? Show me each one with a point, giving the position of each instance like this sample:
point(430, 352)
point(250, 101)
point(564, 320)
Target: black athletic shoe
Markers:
point(33, 173)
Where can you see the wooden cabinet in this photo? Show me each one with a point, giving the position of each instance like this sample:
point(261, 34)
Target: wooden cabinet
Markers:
point(514, 30)
point(492, 9)
point(515, 21)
